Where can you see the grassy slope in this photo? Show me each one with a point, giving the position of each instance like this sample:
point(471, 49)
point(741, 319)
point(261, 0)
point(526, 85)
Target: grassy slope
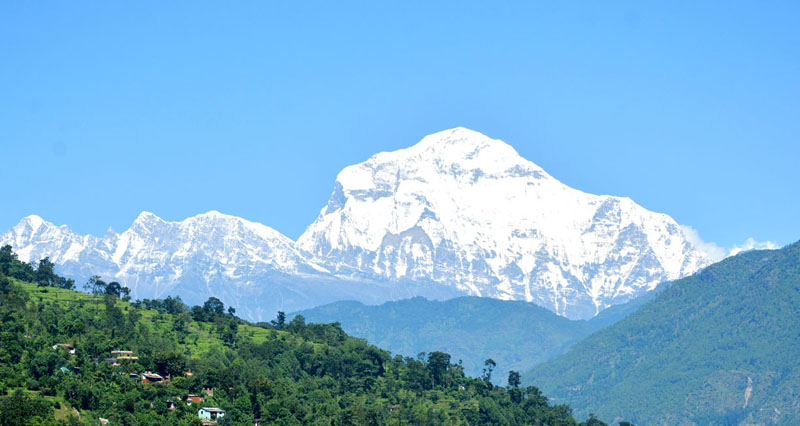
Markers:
point(200, 342)
point(689, 356)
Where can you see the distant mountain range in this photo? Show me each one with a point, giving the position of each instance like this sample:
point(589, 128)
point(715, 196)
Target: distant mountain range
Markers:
point(458, 213)
point(720, 347)
point(516, 335)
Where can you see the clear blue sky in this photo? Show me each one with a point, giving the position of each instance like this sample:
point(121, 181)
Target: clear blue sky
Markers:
point(252, 108)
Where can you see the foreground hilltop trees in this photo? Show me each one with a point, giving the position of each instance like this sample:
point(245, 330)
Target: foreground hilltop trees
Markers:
point(71, 357)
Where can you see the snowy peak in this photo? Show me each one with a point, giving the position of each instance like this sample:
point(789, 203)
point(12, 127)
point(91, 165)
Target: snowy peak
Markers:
point(33, 237)
point(470, 149)
point(462, 209)
point(32, 225)
point(458, 152)
point(154, 255)
point(458, 212)
point(33, 222)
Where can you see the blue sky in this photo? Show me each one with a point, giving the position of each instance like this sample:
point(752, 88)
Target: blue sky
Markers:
point(252, 108)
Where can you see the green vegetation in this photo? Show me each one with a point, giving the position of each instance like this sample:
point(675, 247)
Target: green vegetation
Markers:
point(720, 347)
point(284, 372)
point(518, 335)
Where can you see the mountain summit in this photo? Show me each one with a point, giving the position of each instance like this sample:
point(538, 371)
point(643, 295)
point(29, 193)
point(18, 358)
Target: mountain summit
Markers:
point(457, 213)
point(465, 210)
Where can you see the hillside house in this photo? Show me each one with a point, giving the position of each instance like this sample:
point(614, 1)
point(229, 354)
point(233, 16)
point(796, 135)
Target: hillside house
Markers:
point(118, 356)
point(194, 399)
point(148, 377)
point(210, 413)
point(123, 355)
point(209, 391)
point(67, 346)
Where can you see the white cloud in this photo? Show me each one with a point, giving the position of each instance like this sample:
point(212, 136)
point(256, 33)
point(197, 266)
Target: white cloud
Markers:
point(751, 244)
point(712, 250)
point(717, 253)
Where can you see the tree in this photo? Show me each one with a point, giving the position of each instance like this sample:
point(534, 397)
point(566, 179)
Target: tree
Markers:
point(198, 314)
point(115, 320)
point(68, 283)
point(214, 306)
point(19, 409)
point(438, 363)
point(45, 274)
point(170, 363)
point(113, 288)
point(513, 383)
point(297, 324)
point(7, 258)
point(592, 421)
point(11, 266)
point(174, 305)
point(125, 294)
point(488, 367)
point(96, 285)
point(280, 320)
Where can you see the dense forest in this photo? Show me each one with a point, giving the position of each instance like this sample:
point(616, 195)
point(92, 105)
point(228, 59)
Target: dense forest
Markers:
point(60, 362)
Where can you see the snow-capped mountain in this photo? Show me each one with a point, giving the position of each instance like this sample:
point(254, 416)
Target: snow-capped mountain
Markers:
point(465, 210)
point(209, 254)
point(457, 213)
point(247, 265)
point(153, 254)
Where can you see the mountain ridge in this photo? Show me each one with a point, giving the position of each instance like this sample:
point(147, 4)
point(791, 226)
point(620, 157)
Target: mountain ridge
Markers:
point(718, 347)
point(458, 212)
point(517, 335)
point(466, 210)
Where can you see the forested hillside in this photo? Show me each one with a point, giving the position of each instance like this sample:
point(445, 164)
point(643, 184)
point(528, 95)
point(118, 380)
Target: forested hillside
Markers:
point(516, 335)
point(719, 347)
point(60, 363)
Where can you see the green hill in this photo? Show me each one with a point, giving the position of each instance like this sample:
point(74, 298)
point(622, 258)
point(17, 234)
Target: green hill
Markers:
point(516, 335)
point(287, 373)
point(719, 347)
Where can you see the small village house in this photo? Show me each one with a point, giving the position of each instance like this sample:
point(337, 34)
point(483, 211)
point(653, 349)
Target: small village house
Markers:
point(210, 413)
point(194, 399)
point(149, 377)
point(117, 356)
point(66, 346)
point(123, 355)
